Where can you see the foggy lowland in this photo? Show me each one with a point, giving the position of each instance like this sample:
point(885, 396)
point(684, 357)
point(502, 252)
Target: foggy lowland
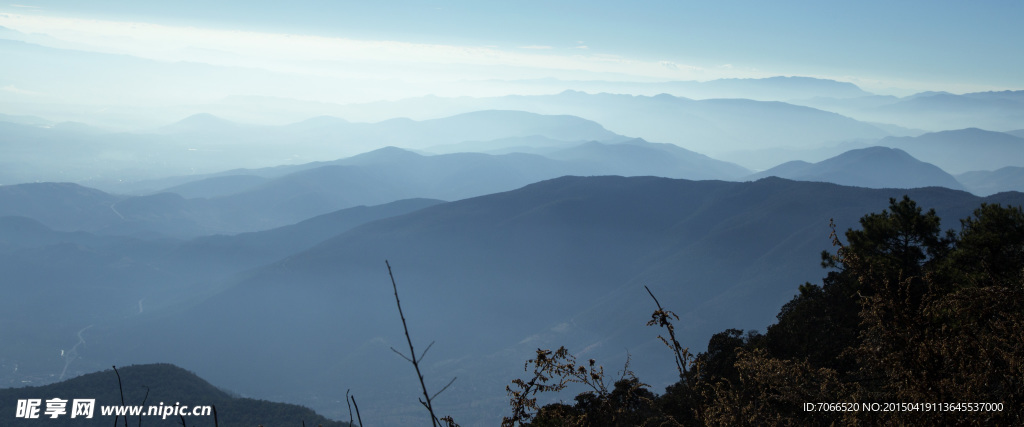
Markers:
point(525, 213)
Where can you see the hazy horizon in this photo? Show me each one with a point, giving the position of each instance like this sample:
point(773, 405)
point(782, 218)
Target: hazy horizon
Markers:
point(353, 53)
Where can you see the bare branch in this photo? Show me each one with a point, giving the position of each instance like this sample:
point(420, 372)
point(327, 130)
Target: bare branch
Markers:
point(412, 352)
point(400, 354)
point(443, 388)
point(119, 387)
point(349, 402)
point(358, 417)
point(653, 297)
point(425, 351)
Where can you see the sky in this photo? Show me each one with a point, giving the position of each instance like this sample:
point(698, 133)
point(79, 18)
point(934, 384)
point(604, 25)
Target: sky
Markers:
point(413, 47)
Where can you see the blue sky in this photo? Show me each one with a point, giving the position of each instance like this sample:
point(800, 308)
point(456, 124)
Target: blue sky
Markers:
point(914, 45)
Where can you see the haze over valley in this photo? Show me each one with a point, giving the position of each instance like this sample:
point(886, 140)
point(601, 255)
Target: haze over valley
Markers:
point(217, 187)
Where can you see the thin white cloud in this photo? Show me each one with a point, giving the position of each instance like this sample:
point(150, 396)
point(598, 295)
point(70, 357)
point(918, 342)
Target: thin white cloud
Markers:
point(297, 53)
point(25, 6)
point(536, 47)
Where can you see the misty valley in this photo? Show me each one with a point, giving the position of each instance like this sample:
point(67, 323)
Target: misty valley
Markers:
point(226, 259)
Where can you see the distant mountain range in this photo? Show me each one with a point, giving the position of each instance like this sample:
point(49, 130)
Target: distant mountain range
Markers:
point(390, 174)
point(259, 199)
point(936, 111)
point(491, 278)
point(207, 144)
point(765, 89)
point(183, 79)
point(873, 167)
point(984, 183)
point(757, 134)
point(728, 123)
point(732, 114)
point(637, 157)
point(963, 150)
point(713, 126)
point(250, 200)
point(204, 143)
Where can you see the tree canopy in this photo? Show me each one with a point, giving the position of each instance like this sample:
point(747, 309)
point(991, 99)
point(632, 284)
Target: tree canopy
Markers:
point(910, 325)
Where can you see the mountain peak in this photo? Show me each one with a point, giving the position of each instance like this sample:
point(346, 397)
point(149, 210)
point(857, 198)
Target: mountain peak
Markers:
point(871, 167)
point(201, 122)
point(929, 93)
point(382, 155)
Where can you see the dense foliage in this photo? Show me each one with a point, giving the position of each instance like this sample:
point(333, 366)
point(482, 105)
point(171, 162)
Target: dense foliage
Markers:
point(911, 325)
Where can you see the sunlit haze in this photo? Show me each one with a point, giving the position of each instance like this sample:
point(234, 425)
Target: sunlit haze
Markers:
point(346, 52)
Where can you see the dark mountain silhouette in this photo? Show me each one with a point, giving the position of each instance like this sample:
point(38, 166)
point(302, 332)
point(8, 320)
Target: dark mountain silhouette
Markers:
point(166, 385)
point(493, 278)
point(984, 183)
point(963, 150)
point(873, 167)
